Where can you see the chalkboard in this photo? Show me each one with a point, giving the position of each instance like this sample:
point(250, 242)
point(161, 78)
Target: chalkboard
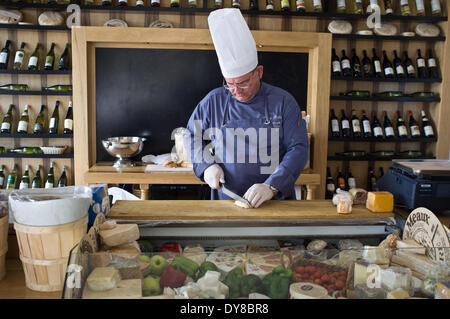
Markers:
point(150, 92)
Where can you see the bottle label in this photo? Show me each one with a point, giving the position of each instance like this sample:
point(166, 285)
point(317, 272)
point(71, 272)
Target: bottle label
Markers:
point(48, 185)
point(404, 2)
point(431, 62)
point(331, 188)
point(415, 131)
point(236, 3)
point(38, 127)
point(336, 66)
point(389, 131)
point(346, 64)
point(193, 1)
point(373, 2)
point(341, 3)
point(123, 1)
point(52, 122)
point(356, 126)
point(389, 71)
point(19, 57)
point(366, 126)
point(317, 3)
point(11, 181)
point(377, 66)
point(335, 125)
point(33, 61)
point(23, 126)
point(435, 5)
point(300, 4)
point(2, 180)
point(421, 63)
point(400, 70)
point(402, 131)
point(345, 124)
point(23, 185)
point(351, 182)
point(269, 7)
point(411, 69)
point(68, 124)
point(6, 126)
point(285, 3)
point(3, 57)
point(428, 130)
point(377, 131)
point(419, 5)
point(49, 61)
point(358, 1)
point(155, 1)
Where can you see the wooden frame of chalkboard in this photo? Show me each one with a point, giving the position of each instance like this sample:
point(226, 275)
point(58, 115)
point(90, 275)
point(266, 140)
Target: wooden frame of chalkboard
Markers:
point(85, 40)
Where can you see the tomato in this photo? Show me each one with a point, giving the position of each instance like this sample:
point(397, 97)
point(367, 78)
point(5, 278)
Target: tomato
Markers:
point(310, 269)
point(300, 269)
point(332, 280)
point(340, 284)
point(317, 281)
point(335, 274)
point(297, 277)
point(341, 278)
point(325, 278)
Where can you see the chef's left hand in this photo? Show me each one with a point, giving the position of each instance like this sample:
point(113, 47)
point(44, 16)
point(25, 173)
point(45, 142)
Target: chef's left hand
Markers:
point(258, 194)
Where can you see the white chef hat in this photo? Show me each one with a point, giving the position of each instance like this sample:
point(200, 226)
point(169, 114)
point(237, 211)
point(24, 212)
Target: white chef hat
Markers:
point(233, 41)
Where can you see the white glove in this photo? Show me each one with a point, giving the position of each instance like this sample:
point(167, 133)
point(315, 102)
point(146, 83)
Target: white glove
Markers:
point(214, 175)
point(258, 194)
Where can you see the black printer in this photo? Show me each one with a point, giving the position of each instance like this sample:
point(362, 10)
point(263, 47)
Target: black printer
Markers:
point(418, 183)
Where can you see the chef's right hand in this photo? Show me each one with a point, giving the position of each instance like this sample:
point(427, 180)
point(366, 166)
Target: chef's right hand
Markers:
point(214, 176)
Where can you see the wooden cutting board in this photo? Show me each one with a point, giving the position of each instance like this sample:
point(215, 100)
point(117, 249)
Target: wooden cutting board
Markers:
point(227, 210)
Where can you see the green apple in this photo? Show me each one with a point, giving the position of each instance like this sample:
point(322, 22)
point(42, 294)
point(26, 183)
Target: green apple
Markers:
point(144, 258)
point(151, 286)
point(157, 265)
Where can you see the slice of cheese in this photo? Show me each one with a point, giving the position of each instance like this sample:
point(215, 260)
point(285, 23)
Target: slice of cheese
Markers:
point(411, 246)
point(120, 234)
point(103, 278)
point(380, 202)
point(125, 289)
point(363, 270)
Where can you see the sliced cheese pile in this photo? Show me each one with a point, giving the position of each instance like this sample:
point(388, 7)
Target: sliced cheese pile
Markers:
point(306, 290)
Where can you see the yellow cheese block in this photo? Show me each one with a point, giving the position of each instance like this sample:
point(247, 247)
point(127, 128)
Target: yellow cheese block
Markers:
point(398, 294)
point(380, 202)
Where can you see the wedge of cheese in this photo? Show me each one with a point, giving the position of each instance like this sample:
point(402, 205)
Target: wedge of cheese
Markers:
point(103, 278)
point(120, 234)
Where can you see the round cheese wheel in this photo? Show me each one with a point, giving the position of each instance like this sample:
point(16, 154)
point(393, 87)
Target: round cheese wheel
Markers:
point(365, 32)
point(386, 29)
point(7, 16)
point(306, 290)
point(50, 18)
point(115, 23)
point(408, 34)
point(340, 27)
point(427, 30)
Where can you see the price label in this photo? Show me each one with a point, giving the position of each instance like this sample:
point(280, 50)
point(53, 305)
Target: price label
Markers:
point(3, 57)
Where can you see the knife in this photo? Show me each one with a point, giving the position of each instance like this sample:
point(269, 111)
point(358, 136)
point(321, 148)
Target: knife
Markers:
point(235, 196)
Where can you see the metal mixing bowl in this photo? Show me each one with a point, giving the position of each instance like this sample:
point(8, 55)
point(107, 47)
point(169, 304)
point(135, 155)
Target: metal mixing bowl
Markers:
point(124, 147)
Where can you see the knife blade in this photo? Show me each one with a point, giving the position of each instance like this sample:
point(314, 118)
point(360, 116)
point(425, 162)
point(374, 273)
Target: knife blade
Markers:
point(235, 196)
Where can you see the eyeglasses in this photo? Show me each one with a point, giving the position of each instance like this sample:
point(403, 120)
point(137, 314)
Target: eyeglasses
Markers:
point(243, 85)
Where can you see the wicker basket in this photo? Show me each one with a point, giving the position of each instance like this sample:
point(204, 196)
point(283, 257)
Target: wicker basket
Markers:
point(53, 150)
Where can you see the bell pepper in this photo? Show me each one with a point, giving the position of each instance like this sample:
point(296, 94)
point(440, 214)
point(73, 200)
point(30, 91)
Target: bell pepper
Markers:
point(204, 267)
point(233, 281)
point(250, 284)
point(172, 278)
point(276, 284)
point(185, 265)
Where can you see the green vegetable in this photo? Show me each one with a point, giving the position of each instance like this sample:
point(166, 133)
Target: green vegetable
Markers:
point(251, 283)
point(276, 284)
point(185, 265)
point(233, 281)
point(145, 246)
point(204, 267)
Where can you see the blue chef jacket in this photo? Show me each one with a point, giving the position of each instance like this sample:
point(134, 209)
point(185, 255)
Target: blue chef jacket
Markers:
point(273, 110)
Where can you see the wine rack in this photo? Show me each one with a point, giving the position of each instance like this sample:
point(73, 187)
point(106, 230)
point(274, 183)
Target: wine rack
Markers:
point(42, 92)
point(397, 80)
point(384, 140)
point(44, 135)
point(38, 72)
point(12, 155)
point(386, 99)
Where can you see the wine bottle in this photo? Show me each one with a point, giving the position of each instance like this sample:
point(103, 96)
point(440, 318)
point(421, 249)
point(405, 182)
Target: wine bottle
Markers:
point(37, 181)
point(436, 8)
point(14, 87)
point(68, 122)
point(404, 5)
point(7, 120)
point(106, 2)
point(367, 130)
point(341, 181)
point(331, 187)
point(11, 181)
point(269, 5)
point(376, 65)
point(25, 181)
point(192, 3)
point(64, 60)
point(372, 180)
point(401, 127)
point(420, 8)
point(388, 7)
point(351, 182)
point(285, 5)
point(388, 129)
point(54, 120)
point(300, 5)
point(50, 181)
point(156, 3)
point(217, 4)
point(413, 127)
point(335, 63)
point(24, 121)
point(410, 70)
point(236, 4)
point(356, 125)
point(398, 65)
point(377, 130)
point(345, 63)
point(426, 125)
point(18, 59)
point(62, 182)
point(334, 124)
point(40, 121)
point(59, 88)
point(341, 7)
point(432, 65)
point(345, 125)
point(317, 5)
point(174, 3)
point(26, 150)
point(366, 65)
point(122, 3)
point(387, 67)
point(33, 62)
point(254, 4)
point(4, 56)
point(357, 7)
point(421, 67)
point(356, 63)
point(2, 176)
point(50, 58)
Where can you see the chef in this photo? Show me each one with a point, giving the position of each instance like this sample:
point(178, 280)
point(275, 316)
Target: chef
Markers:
point(247, 135)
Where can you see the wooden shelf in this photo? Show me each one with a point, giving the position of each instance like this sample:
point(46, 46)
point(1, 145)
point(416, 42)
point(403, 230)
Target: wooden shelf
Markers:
point(388, 38)
point(12, 155)
point(40, 72)
point(10, 92)
point(44, 135)
point(384, 140)
point(375, 159)
point(405, 80)
point(33, 27)
point(387, 99)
